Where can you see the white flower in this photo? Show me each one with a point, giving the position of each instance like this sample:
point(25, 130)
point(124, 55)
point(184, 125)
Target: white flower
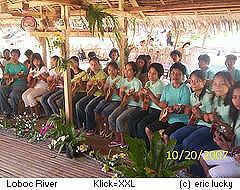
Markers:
point(83, 147)
point(54, 142)
point(105, 168)
point(50, 146)
point(62, 138)
point(115, 156)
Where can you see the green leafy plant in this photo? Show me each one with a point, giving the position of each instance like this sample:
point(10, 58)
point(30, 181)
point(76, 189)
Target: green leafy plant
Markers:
point(63, 64)
point(100, 20)
point(153, 163)
point(55, 42)
point(64, 137)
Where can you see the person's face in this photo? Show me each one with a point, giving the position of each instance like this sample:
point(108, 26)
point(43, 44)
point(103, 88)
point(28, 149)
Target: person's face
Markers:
point(14, 57)
point(53, 62)
point(196, 83)
point(6, 54)
point(94, 66)
point(230, 64)
point(114, 55)
point(112, 71)
point(140, 63)
point(176, 76)
point(236, 98)
point(36, 62)
point(202, 65)
point(175, 58)
point(152, 74)
point(129, 73)
point(219, 86)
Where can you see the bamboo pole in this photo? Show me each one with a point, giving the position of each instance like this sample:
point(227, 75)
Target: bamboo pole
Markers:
point(67, 74)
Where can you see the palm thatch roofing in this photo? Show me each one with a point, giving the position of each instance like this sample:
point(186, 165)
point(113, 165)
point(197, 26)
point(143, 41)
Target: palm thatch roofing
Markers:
point(185, 15)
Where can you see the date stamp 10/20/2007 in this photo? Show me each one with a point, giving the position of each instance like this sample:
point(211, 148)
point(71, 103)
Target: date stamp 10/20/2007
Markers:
point(194, 155)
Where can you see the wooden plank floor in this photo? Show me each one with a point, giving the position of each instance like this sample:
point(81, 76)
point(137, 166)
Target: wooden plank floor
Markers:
point(21, 159)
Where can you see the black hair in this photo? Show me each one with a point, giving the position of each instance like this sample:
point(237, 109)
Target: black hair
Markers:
point(94, 59)
point(233, 112)
point(75, 59)
point(38, 57)
point(112, 64)
point(111, 52)
point(231, 57)
point(227, 77)
point(6, 50)
point(159, 68)
point(178, 66)
point(55, 57)
point(28, 53)
point(176, 52)
point(92, 54)
point(205, 58)
point(201, 75)
point(17, 51)
point(187, 43)
point(134, 66)
point(144, 69)
point(148, 57)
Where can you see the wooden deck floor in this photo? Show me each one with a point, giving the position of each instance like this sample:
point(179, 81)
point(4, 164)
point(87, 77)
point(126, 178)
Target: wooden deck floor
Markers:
point(22, 159)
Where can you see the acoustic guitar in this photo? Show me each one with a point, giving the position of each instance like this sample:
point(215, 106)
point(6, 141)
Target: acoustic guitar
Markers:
point(193, 119)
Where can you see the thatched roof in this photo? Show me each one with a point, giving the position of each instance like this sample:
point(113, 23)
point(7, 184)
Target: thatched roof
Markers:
point(184, 15)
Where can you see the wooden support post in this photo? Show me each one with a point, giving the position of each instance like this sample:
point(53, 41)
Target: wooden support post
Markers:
point(67, 74)
point(44, 49)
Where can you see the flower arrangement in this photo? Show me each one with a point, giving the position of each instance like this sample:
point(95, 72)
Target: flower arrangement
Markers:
point(26, 128)
point(64, 137)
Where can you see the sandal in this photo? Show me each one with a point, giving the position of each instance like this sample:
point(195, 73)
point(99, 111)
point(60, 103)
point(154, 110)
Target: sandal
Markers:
point(114, 144)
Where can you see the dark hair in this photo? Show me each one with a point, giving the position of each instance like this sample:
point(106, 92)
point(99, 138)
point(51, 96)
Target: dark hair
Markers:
point(231, 57)
point(28, 53)
point(144, 69)
point(178, 66)
point(55, 57)
point(233, 112)
point(38, 57)
point(201, 75)
point(134, 66)
point(75, 59)
point(227, 77)
point(94, 59)
point(176, 52)
point(91, 54)
point(111, 52)
point(17, 51)
point(187, 43)
point(205, 58)
point(159, 68)
point(112, 64)
point(6, 50)
point(148, 57)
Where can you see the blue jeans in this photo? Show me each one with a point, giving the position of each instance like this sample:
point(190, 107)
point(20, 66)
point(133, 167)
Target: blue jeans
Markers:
point(52, 100)
point(80, 110)
point(195, 138)
point(44, 102)
point(90, 115)
point(118, 118)
point(106, 108)
point(14, 93)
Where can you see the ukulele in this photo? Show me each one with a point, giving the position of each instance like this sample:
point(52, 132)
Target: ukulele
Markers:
point(193, 119)
point(110, 90)
point(125, 98)
point(10, 79)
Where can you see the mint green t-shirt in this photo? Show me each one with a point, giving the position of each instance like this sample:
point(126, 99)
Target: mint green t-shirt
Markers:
point(237, 132)
point(221, 109)
point(110, 81)
point(173, 96)
point(13, 69)
point(157, 89)
point(235, 74)
point(135, 84)
point(205, 105)
point(209, 74)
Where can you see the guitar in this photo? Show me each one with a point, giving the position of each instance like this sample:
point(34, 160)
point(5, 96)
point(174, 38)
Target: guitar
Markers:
point(110, 90)
point(77, 82)
point(193, 119)
point(92, 87)
point(126, 97)
point(10, 79)
point(166, 112)
point(145, 99)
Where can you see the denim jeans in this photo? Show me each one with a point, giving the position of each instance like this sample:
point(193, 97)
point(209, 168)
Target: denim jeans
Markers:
point(13, 93)
point(119, 116)
point(106, 108)
point(52, 100)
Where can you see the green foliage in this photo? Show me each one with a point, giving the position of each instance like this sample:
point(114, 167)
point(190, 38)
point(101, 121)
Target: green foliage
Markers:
point(64, 135)
point(54, 43)
point(99, 19)
point(153, 163)
point(63, 64)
